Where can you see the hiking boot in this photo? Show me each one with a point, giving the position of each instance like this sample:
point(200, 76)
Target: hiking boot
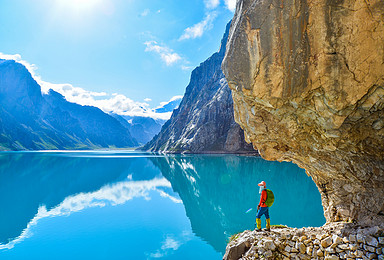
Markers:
point(267, 229)
point(258, 229)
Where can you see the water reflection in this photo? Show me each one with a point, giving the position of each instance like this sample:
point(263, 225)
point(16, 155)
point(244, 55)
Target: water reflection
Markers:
point(218, 191)
point(31, 180)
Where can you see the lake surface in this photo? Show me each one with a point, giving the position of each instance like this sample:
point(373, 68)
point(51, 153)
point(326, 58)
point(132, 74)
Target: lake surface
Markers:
point(130, 205)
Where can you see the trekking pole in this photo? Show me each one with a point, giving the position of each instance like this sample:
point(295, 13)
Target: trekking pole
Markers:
point(257, 211)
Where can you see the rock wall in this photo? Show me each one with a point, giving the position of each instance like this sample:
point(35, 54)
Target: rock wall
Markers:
point(204, 121)
point(307, 79)
point(331, 242)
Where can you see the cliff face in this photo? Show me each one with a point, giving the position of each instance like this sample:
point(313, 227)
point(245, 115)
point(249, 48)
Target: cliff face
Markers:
point(204, 121)
point(307, 79)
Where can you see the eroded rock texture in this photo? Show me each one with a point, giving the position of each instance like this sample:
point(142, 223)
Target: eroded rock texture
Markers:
point(308, 85)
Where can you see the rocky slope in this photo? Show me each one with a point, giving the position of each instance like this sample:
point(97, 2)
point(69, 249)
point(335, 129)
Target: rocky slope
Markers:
point(308, 86)
point(332, 242)
point(204, 120)
point(32, 121)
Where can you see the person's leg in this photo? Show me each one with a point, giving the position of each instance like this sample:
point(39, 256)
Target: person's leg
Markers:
point(267, 220)
point(258, 218)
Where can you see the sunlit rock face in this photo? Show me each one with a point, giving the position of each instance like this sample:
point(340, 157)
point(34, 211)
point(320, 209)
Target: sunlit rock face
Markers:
point(307, 79)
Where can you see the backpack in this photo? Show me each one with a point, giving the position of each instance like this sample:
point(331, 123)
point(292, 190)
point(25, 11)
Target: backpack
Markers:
point(270, 198)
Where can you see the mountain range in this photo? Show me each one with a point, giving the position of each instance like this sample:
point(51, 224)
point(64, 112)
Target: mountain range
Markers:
point(204, 121)
point(30, 120)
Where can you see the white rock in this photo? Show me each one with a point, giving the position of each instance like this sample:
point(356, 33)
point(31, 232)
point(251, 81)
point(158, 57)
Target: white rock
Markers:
point(352, 238)
point(370, 248)
point(381, 240)
point(269, 245)
point(319, 253)
point(371, 255)
point(343, 246)
point(336, 239)
point(359, 253)
point(291, 243)
point(287, 249)
point(372, 241)
point(331, 257)
point(353, 247)
point(380, 257)
point(326, 242)
point(301, 248)
point(360, 238)
point(268, 253)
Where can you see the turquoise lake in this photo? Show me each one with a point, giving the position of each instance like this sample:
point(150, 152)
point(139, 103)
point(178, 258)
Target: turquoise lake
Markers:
point(131, 205)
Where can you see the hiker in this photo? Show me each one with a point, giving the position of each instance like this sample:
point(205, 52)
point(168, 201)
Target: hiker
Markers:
point(262, 208)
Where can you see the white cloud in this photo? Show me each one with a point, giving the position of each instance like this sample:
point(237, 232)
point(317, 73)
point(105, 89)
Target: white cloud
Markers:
point(231, 5)
point(170, 243)
point(147, 99)
point(109, 103)
point(211, 4)
point(198, 29)
point(166, 54)
point(145, 12)
point(171, 100)
point(183, 67)
point(115, 194)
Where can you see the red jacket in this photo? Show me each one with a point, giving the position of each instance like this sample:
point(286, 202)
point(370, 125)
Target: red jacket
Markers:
point(263, 198)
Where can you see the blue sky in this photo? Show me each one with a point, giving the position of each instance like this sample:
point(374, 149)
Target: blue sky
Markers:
point(141, 51)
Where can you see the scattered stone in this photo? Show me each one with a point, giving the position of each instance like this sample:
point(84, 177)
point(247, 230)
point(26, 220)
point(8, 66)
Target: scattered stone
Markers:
point(287, 249)
point(326, 242)
point(371, 255)
point(359, 253)
point(360, 238)
point(381, 240)
point(331, 257)
point(268, 253)
point(269, 245)
point(380, 257)
point(302, 238)
point(379, 251)
point(309, 250)
point(336, 239)
point(370, 248)
point(291, 244)
point(343, 246)
point(352, 238)
point(319, 253)
point(372, 241)
point(302, 248)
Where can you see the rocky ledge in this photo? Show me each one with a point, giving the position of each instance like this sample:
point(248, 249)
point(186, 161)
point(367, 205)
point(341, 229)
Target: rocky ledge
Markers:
point(332, 241)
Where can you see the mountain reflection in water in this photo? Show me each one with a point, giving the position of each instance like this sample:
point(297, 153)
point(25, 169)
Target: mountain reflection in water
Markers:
point(216, 190)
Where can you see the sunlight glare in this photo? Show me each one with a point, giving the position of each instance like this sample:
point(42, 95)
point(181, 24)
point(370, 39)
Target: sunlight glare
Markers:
point(79, 5)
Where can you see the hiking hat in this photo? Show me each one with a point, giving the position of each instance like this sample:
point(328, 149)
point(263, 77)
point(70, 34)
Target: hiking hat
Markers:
point(262, 184)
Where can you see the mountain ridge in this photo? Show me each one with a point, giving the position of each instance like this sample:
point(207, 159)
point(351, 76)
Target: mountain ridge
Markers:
point(203, 122)
point(30, 120)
